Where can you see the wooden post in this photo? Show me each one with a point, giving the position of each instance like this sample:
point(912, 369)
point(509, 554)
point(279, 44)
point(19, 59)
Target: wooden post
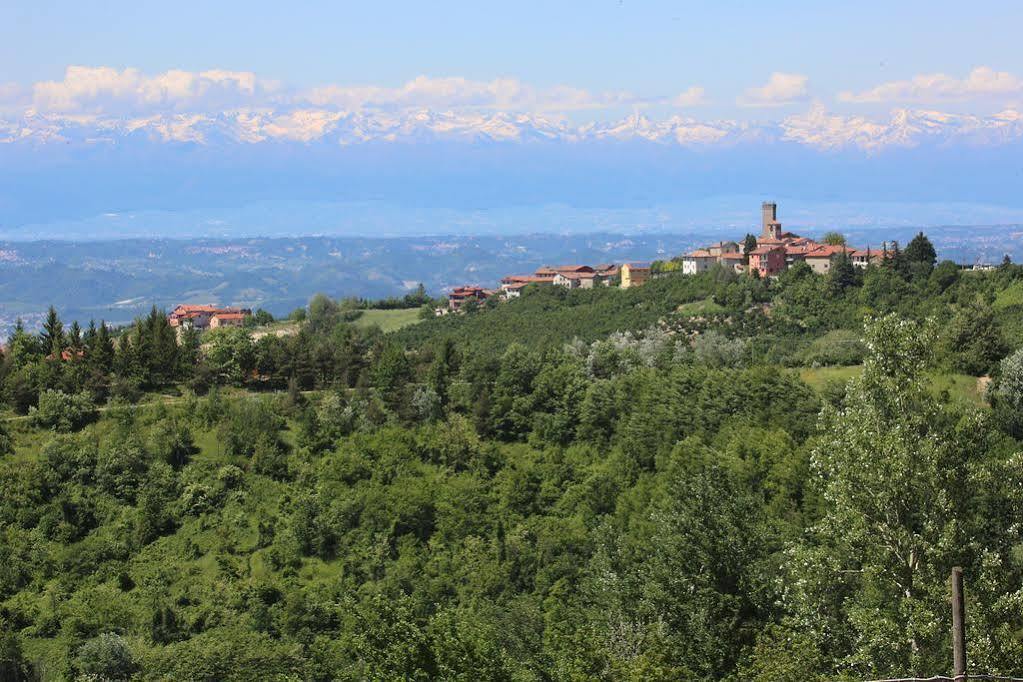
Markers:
point(958, 627)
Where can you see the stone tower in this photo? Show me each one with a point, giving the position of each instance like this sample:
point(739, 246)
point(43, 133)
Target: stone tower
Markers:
point(771, 228)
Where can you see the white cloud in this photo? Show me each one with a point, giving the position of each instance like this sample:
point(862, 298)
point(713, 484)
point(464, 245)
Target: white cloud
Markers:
point(505, 94)
point(104, 89)
point(107, 90)
point(780, 89)
point(982, 82)
point(693, 97)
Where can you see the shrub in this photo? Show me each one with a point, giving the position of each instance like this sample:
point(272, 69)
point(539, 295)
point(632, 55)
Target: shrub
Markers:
point(62, 412)
point(838, 347)
point(106, 657)
point(714, 349)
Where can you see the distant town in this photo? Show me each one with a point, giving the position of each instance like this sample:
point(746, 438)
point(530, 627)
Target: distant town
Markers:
point(764, 256)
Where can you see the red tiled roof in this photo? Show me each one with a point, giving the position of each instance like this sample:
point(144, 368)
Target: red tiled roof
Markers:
point(572, 268)
point(732, 256)
point(828, 250)
point(189, 309)
point(229, 316)
point(799, 249)
point(767, 248)
point(464, 292)
point(700, 253)
point(523, 279)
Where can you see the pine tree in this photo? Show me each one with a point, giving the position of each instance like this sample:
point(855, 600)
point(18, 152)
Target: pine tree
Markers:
point(74, 336)
point(100, 350)
point(89, 336)
point(843, 273)
point(52, 336)
point(22, 347)
point(748, 244)
point(920, 250)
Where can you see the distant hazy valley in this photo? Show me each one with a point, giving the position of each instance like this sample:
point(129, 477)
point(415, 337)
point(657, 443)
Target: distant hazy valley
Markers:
point(118, 279)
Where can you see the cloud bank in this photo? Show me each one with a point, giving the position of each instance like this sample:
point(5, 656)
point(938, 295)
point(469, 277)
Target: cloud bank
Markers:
point(982, 82)
point(106, 105)
point(780, 89)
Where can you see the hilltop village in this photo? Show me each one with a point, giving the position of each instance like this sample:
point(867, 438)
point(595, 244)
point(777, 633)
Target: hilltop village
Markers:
point(767, 255)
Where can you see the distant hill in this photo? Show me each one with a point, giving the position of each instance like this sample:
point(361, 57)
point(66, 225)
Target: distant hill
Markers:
point(116, 280)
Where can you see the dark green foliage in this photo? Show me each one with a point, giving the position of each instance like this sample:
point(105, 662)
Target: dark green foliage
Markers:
point(974, 339)
point(14, 666)
point(575, 485)
point(920, 250)
point(748, 244)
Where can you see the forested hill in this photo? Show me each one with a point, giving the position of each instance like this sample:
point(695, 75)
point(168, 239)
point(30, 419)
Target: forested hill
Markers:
point(708, 478)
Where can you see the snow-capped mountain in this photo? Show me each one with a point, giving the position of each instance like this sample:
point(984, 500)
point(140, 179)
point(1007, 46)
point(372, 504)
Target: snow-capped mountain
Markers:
point(816, 129)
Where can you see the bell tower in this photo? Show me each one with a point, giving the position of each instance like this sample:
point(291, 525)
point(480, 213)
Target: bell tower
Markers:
point(770, 227)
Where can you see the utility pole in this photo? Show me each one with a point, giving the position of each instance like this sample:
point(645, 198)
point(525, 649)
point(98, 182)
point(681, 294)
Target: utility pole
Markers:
point(958, 627)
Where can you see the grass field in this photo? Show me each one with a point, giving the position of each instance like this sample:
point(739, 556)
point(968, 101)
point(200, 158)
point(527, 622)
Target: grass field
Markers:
point(961, 387)
point(705, 307)
point(819, 377)
point(1009, 297)
point(388, 320)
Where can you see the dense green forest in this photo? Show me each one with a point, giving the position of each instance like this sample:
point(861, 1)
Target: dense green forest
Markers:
point(643, 484)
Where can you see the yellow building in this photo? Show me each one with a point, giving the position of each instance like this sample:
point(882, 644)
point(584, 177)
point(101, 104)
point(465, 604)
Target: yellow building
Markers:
point(634, 274)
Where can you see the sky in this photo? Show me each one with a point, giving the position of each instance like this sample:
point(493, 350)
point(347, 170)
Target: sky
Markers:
point(349, 101)
point(649, 49)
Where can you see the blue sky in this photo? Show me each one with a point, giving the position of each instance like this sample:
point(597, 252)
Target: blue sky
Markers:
point(114, 106)
point(653, 49)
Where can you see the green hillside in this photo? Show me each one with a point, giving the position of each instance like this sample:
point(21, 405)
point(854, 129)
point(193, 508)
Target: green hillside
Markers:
point(707, 478)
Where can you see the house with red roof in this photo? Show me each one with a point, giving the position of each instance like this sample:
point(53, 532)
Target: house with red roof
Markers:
point(861, 258)
point(731, 261)
point(700, 260)
point(459, 296)
point(821, 258)
point(767, 260)
point(201, 316)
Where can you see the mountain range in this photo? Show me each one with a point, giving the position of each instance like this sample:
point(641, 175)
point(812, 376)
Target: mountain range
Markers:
point(816, 128)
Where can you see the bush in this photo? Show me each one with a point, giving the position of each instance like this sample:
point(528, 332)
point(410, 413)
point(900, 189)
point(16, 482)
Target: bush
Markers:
point(838, 347)
point(63, 412)
point(247, 423)
point(716, 350)
point(270, 459)
point(106, 657)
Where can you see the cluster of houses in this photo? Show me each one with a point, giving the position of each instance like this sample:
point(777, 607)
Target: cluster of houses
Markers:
point(568, 276)
point(775, 251)
point(206, 316)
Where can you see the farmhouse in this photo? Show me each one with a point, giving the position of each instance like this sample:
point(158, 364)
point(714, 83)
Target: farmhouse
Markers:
point(698, 261)
point(577, 280)
point(732, 261)
point(721, 248)
point(206, 316)
point(459, 296)
point(767, 260)
point(822, 257)
point(634, 274)
point(222, 319)
point(512, 285)
point(864, 257)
